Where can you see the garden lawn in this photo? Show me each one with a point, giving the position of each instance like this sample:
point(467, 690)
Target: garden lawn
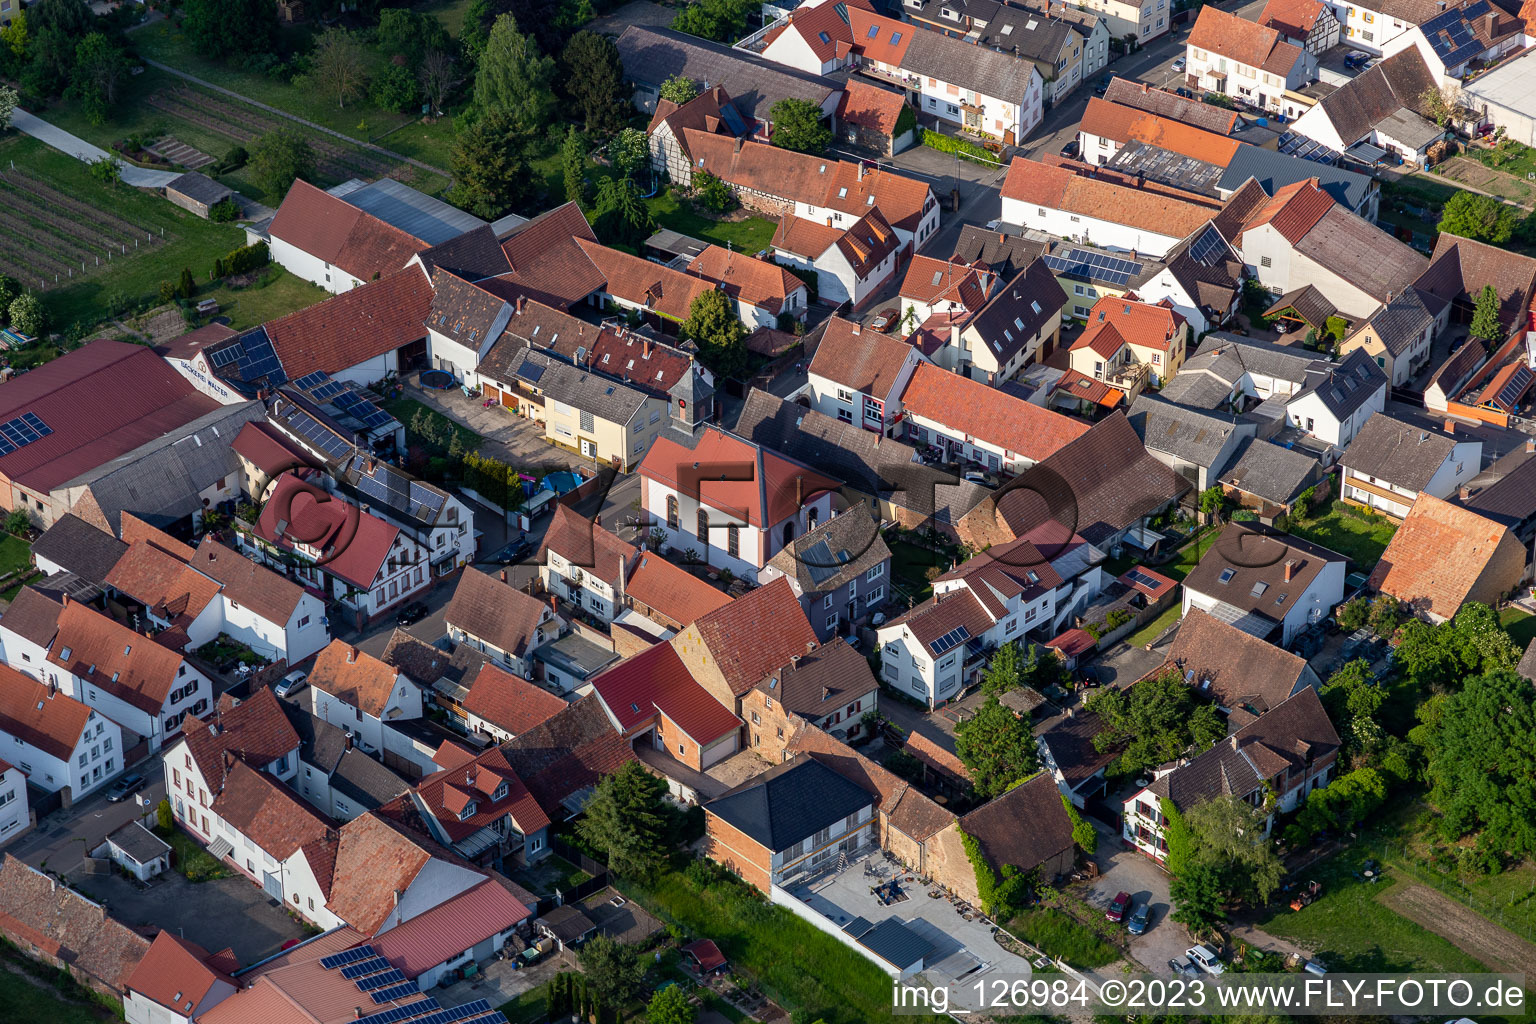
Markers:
point(1352, 931)
point(28, 992)
point(133, 279)
point(797, 965)
point(1359, 536)
point(189, 857)
point(1060, 935)
point(751, 235)
point(15, 554)
point(1146, 634)
point(908, 564)
point(528, 1007)
point(1520, 626)
point(405, 409)
point(275, 293)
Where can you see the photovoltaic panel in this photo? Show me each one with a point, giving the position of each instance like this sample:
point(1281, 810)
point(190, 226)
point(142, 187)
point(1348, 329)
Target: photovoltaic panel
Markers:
point(950, 640)
point(349, 956)
point(224, 356)
point(495, 1017)
point(330, 389)
point(427, 498)
point(399, 1013)
point(377, 418)
point(372, 965)
point(347, 401)
point(310, 381)
point(384, 995)
point(36, 423)
point(389, 977)
point(1207, 247)
point(1141, 578)
point(1510, 393)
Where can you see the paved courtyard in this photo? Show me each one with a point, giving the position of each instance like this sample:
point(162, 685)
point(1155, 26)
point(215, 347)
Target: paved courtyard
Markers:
point(961, 948)
point(501, 981)
point(227, 912)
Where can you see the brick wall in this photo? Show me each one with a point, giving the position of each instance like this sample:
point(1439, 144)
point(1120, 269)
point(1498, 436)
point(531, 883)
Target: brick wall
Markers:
point(949, 866)
point(773, 729)
point(678, 743)
point(729, 847)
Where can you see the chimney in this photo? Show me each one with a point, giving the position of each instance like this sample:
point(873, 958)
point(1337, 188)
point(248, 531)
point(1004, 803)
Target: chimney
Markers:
point(1233, 740)
point(66, 600)
point(1389, 296)
point(1530, 444)
point(349, 740)
point(855, 330)
point(647, 348)
point(53, 690)
point(503, 575)
point(351, 654)
point(826, 691)
point(1463, 492)
point(861, 170)
point(554, 604)
point(738, 145)
point(1290, 569)
point(799, 491)
point(520, 300)
point(1488, 23)
point(1450, 427)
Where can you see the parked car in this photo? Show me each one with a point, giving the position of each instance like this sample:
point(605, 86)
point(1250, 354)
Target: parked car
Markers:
point(518, 550)
point(1178, 65)
point(1354, 58)
point(1141, 919)
point(884, 320)
point(290, 684)
point(125, 787)
point(411, 613)
point(1206, 958)
point(1071, 149)
point(1118, 907)
point(1182, 967)
point(976, 476)
point(1186, 93)
point(1313, 967)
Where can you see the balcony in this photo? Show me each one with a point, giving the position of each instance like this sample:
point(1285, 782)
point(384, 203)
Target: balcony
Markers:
point(1130, 377)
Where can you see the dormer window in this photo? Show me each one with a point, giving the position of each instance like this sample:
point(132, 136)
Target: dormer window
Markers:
point(468, 811)
point(501, 791)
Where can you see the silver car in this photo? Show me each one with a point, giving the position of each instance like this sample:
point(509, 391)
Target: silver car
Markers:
point(290, 684)
point(1206, 959)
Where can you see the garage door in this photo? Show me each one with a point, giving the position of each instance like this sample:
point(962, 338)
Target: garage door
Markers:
point(273, 886)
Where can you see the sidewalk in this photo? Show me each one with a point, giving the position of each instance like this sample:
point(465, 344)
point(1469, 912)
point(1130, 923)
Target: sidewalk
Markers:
point(64, 142)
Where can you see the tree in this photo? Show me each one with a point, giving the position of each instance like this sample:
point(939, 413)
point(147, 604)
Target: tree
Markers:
point(19, 522)
point(163, 816)
point(1479, 217)
point(489, 165)
point(1485, 315)
point(1229, 835)
point(722, 339)
point(28, 315)
point(410, 34)
point(476, 28)
point(438, 75)
point(1353, 613)
point(1084, 836)
point(997, 747)
point(573, 166)
point(797, 126)
point(514, 78)
point(218, 28)
point(679, 89)
point(1004, 672)
point(188, 285)
point(8, 101)
point(723, 21)
point(1212, 500)
point(281, 156)
point(108, 170)
point(1353, 698)
point(613, 970)
point(1443, 105)
point(670, 1006)
point(622, 216)
point(99, 69)
point(14, 43)
point(395, 88)
point(9, 289)
point(713, 194)
point(339, 65)
point(1386, 615)
point(627, 819)
point(54, 28)
point(594, 80)
point(1157, 720)
point(1197, 898)
point(1480, 762)
point(629, 152)
point(1348, 801)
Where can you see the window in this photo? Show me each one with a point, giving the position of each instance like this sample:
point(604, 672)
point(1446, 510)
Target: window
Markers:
point(1265, 261)
point(876, 595)
point(733, 540)
point(875, 572)
point(756, 719)
point(672, 511)
point(588, 423)
point(702, 524)
point(826, 602)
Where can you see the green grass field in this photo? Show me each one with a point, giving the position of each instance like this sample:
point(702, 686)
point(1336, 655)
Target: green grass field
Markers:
point(259, 302)
point(1058, 934)
point(749, 236)
point(1350, 930)
point(1359, 536)
point(1520, 626)
point(30, 991)
point(128, 280)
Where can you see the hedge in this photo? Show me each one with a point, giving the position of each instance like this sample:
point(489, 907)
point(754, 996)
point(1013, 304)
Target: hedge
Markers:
point(960, 147)
point(247, 257)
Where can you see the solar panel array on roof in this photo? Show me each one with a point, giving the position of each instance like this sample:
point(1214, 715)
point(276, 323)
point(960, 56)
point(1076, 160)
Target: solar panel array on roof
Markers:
point(1142, 579)
point(389, 977)
point(21, 431)
point(1097, 265)
point(1450, 33)
point(317, 434)
point(1510, 393)
point(1303, 148)
point(369, 965)
point(1208, 248)
point(428, 501)
point(950, 640)
point(399, 1013)
point(468, 1011)
point(347, 956)
point(258, 360)
point(393, 992)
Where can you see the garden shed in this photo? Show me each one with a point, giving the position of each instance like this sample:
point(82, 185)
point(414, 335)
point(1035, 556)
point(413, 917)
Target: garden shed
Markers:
point(196, 192)
point(139, 851)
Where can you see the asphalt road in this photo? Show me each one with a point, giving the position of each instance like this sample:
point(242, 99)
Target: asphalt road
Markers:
point(61, 840)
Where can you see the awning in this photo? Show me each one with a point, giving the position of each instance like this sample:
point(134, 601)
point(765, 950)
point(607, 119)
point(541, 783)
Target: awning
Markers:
point(1366, 153)
point(1139, 536)
point(220, 848)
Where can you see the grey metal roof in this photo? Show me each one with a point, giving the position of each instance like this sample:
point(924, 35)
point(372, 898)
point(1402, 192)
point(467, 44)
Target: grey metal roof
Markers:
point(652, 55)
point(1346, 386)
point(895, 943)
point(1398, 452)
point(591, 392)
point(1000, 75)
point(792, 802)
point(199, 188)
point(139, 843)
point(1275, 170)
point(1193, 435)
point(81, 548)
point(1271, 471)
point(1403, 125)
point(416, 213)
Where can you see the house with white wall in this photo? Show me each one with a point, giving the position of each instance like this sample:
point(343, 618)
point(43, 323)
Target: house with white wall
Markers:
point(175, 982)
point(973, 422)
point(731, 502)
point(1460, 39)
point(585, 564)
point(1245, 60)
point(15, 811)
point(858, 375)
point(500, 621)
point(1391, 462)
point(53, 740)
point(1270, 585)
point(329, 242)
point(464, 323)
point(850, 263)
point(363, 696)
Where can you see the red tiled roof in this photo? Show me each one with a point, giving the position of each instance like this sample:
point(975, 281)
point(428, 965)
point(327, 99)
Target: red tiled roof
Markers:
point(870, 106)
point(270, 814)
point(266, 449)
point(808, 238)
point(185, 346)
point(674, 592)
point(134, 530)
point(865, 361)
point(354, 677)
point(449, 793)
point(510, 702)
point(248, 584)
point(133, 395)
point(823, 20)
point(114, 658)
point(756, 282)
point(867, 243)
point(55, 727)
point(1438, 555)
point(36, 911)
point(1294, 18)
point(1293, 210)
point(931, 281)
point(1246, 42)
point(1124, 124)
point(333, 230)
point(351, 328)
point(449, 928)
point(928, 751)
point(174, 968)
point(1072, 642)
point(375, 860)
point(666, 291)
point(1084, 388)
point(364, 541)
point(775, 489)
point(887, 44)
point(596, 551)
point(1039, 184)
point(655, 681)
point(756, 634)
point(989, 414)
point(1115, 322)
point(568, 753)
point(256, 730)
point(547, 263)
point(705, 954)
point(162, 583)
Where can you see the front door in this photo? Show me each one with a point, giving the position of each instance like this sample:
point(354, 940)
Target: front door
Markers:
point(589, 448)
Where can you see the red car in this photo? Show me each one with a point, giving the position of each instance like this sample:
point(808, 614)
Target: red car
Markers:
point(1117, 909)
